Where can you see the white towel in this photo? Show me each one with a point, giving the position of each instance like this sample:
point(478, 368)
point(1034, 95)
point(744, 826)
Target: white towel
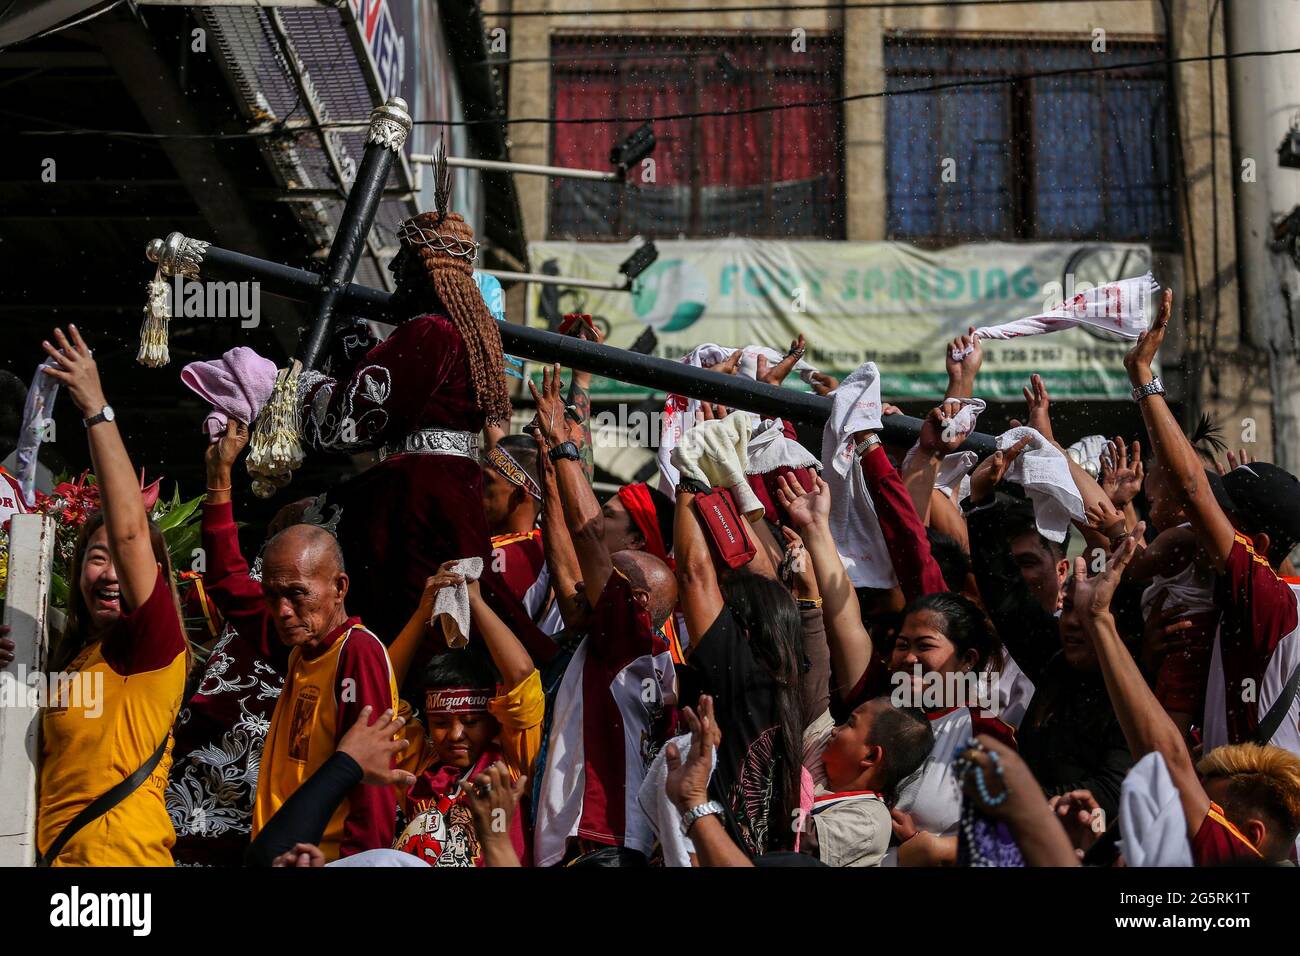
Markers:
point(855, 407)
point(770, 448)
point(955, 467)
point(679, 411)
point(1044, 473)
point(1116, 307)
point(664, 817)
point(1152, 825)
point(953, 470)
point(451, 605)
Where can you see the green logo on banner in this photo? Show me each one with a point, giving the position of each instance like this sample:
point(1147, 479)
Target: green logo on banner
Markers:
point(670, 295)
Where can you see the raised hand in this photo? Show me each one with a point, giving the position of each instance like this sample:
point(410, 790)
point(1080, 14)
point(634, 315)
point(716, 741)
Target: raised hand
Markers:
point(1143, 353)
point(962, 371)
point(373, 747)
point(1106, 518)
point(1040, 406)
point(550, 418)
point(985, 478)
point(688, 780)
point(729, 364)
point(939, 434)
point(824, 384)
point(225, 451)
point(1121, 471)
point(805, 506)
point(1093, 595)
point(75, 370)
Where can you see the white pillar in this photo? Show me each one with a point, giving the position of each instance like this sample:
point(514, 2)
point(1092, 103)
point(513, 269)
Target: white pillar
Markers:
point(1265, 98)
point(31, 550)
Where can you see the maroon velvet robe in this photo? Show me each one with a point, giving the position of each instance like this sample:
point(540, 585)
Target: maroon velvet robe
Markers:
point(406, 515)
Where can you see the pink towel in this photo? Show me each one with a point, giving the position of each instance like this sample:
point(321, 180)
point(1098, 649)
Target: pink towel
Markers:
point(237, 385)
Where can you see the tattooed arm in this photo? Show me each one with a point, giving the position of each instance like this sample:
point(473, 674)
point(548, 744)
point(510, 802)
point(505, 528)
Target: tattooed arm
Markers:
point(580, 398)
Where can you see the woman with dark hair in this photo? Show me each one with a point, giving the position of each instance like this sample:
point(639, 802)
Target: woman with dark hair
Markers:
point(746, 651)
point(944, 661)
point(111, 725)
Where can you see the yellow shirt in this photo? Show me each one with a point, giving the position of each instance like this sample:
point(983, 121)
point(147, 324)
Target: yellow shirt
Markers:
point(94, 737)
point(303, 732)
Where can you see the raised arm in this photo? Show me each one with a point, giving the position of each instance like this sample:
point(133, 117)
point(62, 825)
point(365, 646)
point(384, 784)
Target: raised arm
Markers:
point(847, 638)
point(508, 654)
point(582, 513)
point(579, 401)
point(561, 559)
point(900, 525)
point(962, 371)
point(1147, 727)
point(406, 646)
point(697, 579)
point(125, 520)
point(1172, 449)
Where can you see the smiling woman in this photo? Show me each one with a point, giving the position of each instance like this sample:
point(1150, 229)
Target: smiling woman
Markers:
point(103, 770)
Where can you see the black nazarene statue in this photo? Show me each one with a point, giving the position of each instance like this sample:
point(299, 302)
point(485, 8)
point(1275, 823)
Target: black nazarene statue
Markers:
point(421, 398)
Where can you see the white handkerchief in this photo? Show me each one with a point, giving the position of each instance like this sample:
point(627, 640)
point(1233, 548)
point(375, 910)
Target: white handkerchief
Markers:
point(679, 411)
point(855, 406)
point(1117, 307)
point(451, 605)
point(1044, 473)
point(665, 819)
point(1152, 824)
point(770, 449)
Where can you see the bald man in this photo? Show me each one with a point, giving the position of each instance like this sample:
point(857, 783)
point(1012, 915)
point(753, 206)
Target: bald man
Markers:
point(336, 667)
point(608, 719)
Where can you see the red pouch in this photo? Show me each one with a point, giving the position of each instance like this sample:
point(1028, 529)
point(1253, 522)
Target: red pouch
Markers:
point(725, 527)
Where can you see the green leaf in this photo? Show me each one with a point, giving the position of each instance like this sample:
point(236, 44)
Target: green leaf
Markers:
point(179, 514)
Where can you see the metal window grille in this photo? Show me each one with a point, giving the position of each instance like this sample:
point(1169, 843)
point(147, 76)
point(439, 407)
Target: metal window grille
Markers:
point(1076, 156)
point(704, 188)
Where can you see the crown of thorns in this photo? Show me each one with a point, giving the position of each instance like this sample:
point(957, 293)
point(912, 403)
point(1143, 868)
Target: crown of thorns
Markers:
point(414, 234)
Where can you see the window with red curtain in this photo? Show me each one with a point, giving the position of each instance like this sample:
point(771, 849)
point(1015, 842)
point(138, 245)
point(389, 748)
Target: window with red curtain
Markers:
point(776, 173)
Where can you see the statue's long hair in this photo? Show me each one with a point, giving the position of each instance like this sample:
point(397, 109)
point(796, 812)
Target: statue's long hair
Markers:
point(452, 279)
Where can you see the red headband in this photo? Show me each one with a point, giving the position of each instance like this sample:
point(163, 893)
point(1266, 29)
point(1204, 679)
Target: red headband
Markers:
point(457, 700)
point(636, 499)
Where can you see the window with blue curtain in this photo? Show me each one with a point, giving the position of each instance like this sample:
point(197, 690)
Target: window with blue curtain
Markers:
point(1077, 155)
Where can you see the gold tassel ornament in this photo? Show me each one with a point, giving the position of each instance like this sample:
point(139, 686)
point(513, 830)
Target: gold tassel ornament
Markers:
point(153, 331)
point(275, 447)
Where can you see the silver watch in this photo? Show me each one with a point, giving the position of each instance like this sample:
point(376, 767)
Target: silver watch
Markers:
point(694, 814)
point(1153, 387)
point(105, 415)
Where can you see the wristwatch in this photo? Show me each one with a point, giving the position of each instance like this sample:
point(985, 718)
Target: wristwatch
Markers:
point(868, 443)
point(691, 816)
point(1153, 387)
point(106, 414)
point(565, 449)
point(692, 486)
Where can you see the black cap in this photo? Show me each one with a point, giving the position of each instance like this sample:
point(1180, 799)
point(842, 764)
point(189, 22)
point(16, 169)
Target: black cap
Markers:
point(1262, 498)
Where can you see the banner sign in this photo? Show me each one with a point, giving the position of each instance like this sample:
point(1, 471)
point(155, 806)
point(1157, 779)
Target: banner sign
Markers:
point(885, 302)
